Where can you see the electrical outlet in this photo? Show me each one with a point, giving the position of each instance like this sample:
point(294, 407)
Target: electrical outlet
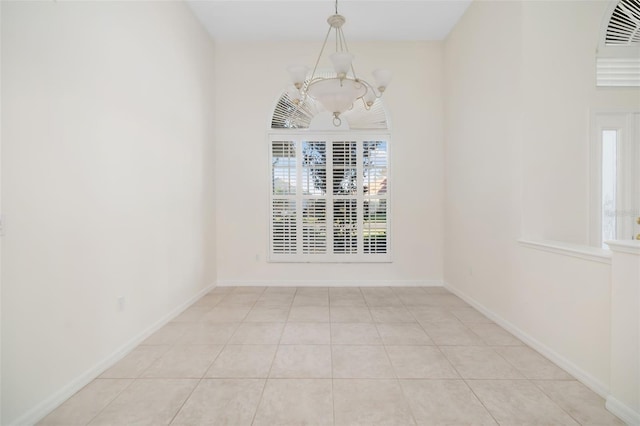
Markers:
point(121, 303)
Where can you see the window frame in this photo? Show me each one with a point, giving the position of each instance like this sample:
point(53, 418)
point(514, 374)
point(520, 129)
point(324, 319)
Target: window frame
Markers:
point(626, 122)
point(328, 136)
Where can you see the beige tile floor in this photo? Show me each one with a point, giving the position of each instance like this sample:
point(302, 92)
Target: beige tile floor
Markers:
point(332, 356)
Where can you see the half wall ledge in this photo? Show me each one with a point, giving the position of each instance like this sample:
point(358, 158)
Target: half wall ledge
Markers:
point(580, 251)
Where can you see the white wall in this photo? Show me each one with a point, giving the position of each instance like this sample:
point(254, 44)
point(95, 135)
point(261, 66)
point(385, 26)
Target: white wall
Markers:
point(559, 44)
point(107, 185)
point(558, 64)
point(0, 221)
point(519, 91)
point(482, 148)
point(250, 78)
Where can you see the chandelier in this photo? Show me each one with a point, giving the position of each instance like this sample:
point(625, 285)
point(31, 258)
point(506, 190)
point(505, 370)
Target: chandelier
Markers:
point(340, 91)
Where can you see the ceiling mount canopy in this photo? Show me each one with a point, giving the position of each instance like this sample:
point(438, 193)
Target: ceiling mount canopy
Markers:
point(338, 92)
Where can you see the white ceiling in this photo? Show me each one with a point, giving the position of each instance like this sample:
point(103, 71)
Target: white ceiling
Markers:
point(305, 20)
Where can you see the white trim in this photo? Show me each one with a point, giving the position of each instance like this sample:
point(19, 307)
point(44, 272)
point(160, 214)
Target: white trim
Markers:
point(624, 412)
point(625, 246)
point(587, 379)
point(331, 283)
point(604, 24)
point(595, 179)
point(615, 51)
point(330, 258)
point(592, 254)
point(618, 71)
point(52, 402)
point(307, 134)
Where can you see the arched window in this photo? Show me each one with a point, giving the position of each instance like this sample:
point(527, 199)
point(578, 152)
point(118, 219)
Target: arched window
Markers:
point(618, 58)
point(330, 186)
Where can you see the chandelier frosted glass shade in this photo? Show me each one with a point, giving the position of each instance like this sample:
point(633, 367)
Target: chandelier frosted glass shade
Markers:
point(341, 63)
point(382, 78)
point(337, 93)
point(298, 74)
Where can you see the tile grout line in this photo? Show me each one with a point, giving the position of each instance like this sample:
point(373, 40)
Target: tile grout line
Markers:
point(266, 380)
point(461, 378)
point(139, 376)
point(406, 336)
point(480, 400)
point(111, 401)
point(186, 399)
point(402, 391)
point(223, 346)
point(541, 389)
point(333, 394)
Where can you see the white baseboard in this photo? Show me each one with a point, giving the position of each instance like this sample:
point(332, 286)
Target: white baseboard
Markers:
point(587, 379)
point(331, 283)
point(50, 403)
point(619, 409)
point(624, 412)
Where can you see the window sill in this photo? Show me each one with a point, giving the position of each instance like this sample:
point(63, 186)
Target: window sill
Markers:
point(380, 258)
point(592, 254)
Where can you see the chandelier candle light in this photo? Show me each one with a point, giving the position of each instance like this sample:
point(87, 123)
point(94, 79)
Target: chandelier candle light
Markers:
point(337, 93)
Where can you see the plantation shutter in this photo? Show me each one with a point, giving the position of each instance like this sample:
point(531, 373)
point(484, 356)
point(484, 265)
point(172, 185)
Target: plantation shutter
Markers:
point(283, 203)
point(624, 25)
point(329, 199)
point(618, 72)
point(314, 207)
point(375, 197)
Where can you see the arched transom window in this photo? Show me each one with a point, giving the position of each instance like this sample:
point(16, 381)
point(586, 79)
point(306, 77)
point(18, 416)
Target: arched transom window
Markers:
point(618, 58)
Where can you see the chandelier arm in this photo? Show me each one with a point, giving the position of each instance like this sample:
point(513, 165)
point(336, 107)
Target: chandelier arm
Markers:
point(303, 99)
point(324, 44)
point(373, 89)
point(366, 107)
point(346, 49)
